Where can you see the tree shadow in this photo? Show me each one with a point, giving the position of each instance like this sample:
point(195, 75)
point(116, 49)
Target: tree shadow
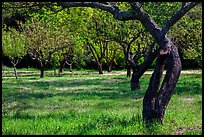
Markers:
point(77, 89)
point(187, 86)
point(82, 89)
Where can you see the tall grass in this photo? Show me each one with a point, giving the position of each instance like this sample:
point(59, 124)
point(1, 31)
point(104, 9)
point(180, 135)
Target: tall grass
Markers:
point(94, 104)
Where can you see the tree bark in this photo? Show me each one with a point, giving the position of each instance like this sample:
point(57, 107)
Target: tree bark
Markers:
point(142, 68)
point(100, 70)
point(128, 70)
point(41, 72)
point(42, 69)
point(109, 66)
point(15, 72)
point(62, 64)
point(155, 102)
point(54, 71)
point(151, 93)
point(15, 62)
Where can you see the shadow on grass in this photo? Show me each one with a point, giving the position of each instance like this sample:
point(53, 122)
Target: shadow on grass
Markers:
point(82, 89)
point(77, 89)
point(189, 85)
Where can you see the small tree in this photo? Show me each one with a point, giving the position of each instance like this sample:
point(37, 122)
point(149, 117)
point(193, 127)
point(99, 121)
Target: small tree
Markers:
point(43, 39)
point(13, 45)
point(62, 57)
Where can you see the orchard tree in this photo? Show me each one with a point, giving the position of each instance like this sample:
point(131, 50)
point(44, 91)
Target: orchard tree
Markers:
point(62, 57)
point(130, 35)
point(93, 41)
point(13, 45)
point(42, 40)
point(158, 25)
point(155, 100)
point(112, 53)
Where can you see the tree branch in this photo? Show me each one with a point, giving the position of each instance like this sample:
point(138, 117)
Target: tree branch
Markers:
point(147, 21)
point(134, 38)
point(93, 51)
point(54, 50)
point(178, 16)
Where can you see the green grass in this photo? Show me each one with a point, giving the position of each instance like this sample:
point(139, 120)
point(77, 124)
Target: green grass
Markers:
point(94, 104)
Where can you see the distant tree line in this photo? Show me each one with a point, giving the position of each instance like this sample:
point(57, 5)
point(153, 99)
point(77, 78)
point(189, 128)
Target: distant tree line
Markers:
point(188, 37)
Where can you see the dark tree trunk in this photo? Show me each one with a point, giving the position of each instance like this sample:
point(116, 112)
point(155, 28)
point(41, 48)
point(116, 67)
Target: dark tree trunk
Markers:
point(70, 68)
point(155, 102)
point(42, 69)
point(142, 68)
point(41, 72)
point(15, 72)
point(151, 93)
point(54, 71)
point(100, 70)
point(54, 67)
point(110, 65)
point(128, 70)
point(62, 64)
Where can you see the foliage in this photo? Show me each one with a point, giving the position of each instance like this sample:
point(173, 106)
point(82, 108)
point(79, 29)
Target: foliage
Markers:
point(13, 43)
point(187, 34)
point(78, 25)
point(43, 39)
point(161, 11)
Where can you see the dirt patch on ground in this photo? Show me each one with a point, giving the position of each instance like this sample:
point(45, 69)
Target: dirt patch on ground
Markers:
point(181, 130)
point(30, 73)
point(150, 72)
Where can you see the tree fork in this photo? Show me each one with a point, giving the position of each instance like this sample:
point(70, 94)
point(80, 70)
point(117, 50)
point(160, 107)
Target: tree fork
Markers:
point(151, 93)
point(155, 102)
point(169, 83)
point(142, 68)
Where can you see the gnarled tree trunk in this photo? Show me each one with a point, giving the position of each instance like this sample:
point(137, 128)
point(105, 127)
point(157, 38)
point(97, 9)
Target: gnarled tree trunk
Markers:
point(156, 101)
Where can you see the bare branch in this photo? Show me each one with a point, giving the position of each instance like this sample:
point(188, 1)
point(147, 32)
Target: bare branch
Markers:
point(178, 16)
point(147, 21)
point(135, 37)
point(102, 6)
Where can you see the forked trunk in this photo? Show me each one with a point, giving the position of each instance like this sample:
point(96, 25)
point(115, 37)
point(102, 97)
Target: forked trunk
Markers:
point(155, 101)
point(142, 68)
point(110, 65)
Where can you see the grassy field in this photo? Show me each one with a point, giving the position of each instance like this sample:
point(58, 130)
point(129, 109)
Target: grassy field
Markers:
point(94, 104)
